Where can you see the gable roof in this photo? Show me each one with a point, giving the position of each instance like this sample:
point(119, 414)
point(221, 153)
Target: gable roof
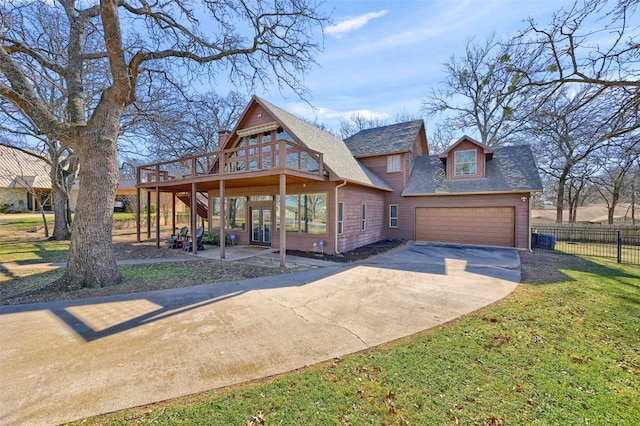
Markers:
point(336, 155)
point(20, 170)
point(512, 169)
point(487, 151)
point(384, 140)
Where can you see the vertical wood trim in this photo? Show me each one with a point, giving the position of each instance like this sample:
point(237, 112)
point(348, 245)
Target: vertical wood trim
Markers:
point(157, 217)
point(148, 214)
point(173, 213)
point(223, 207)
point(283, 227)
point(194, 218)
point(138, 214)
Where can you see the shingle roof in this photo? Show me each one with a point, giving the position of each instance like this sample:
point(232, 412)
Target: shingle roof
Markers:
point(512, 168)
point(383, 140)
point(336, 155)
point(19, 169)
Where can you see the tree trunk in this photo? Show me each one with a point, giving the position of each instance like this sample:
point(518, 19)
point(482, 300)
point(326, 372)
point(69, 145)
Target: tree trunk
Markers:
point(91, 259)
point(39, 203)
point(560, 198)
point(61, 227)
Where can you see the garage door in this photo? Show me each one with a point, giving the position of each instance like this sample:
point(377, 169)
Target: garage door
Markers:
point(469, 225)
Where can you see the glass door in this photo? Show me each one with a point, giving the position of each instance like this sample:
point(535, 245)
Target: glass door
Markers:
point(261, 225)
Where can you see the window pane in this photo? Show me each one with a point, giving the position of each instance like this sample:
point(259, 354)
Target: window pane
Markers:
point(465, 163)
point(283, 135)
point(340, 218)
point(314, 214)
point(291, 213)
point(393, 216)
point(363, 225)
point(236, 213)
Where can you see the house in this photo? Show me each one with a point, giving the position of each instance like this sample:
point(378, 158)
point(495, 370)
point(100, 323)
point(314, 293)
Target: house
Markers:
point(280, 181)
point(25, 182)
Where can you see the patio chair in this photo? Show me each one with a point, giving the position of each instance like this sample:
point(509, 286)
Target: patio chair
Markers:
point(177, 241)
point(188, 245)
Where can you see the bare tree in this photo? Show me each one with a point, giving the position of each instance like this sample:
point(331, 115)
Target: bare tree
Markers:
point(254, 41)
point(567, 53)
point(62, 161)
point(441, 138)
point(176, 124)
point(565, 132)
point(614, 177)
point(479, 93)
point(358, 122)
point(49, 86)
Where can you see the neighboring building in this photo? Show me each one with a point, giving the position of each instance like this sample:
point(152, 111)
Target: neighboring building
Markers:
point(275, 171)
point(24, 180)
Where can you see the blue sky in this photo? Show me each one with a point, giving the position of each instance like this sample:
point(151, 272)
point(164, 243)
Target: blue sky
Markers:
point(382, 57)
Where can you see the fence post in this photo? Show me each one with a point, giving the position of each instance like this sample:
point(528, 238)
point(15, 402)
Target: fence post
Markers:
point(619, 246)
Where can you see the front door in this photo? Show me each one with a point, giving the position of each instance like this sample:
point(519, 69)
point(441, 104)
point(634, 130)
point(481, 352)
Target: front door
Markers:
point(261, 225)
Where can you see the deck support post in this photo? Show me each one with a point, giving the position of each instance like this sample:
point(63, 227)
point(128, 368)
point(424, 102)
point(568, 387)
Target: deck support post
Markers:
point(157, 217)
point(283, 222)
point(148, 214)
point(223, 214)
point(194, 218)
point(173, 213)
point(138, 215)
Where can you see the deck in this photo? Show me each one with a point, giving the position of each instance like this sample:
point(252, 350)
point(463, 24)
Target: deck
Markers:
point(242, 164)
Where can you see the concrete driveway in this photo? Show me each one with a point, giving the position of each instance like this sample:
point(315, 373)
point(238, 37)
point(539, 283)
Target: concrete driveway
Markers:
point(69, 360)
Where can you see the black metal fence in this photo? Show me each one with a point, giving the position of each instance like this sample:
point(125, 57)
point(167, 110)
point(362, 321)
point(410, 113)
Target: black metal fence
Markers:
point(619, 242)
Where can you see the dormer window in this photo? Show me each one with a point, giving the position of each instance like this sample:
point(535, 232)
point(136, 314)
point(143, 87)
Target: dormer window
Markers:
point(466, 163)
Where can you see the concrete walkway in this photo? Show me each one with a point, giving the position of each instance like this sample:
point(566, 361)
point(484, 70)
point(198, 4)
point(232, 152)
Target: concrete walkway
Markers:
point(70, 360)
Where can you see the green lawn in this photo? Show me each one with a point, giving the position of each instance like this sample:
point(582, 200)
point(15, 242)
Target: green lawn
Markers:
point(628, 254)
point(15, 248)
point(564, 353)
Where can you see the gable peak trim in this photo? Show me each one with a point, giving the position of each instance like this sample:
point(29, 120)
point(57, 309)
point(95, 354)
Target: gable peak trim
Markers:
point(487, 151)
point(257, 129)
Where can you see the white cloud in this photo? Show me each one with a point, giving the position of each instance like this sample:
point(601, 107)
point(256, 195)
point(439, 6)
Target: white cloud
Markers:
point(329, 116)
point(353, 24)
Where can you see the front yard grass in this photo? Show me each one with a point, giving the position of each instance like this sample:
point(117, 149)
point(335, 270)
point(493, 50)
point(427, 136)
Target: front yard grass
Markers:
point(566, 352)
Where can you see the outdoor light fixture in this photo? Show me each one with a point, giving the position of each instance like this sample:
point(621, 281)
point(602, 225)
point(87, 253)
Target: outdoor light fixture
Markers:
point(232, 237)
point(321, 244)
point(523, 199)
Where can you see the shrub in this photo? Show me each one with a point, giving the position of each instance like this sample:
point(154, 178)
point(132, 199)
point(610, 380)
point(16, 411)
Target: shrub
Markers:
point(214, 239)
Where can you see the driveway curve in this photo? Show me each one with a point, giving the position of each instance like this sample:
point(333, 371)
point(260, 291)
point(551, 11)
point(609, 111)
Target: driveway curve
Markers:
point(69, 360)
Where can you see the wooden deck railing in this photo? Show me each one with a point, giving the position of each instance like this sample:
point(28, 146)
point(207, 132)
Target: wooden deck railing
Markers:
point(280, 154)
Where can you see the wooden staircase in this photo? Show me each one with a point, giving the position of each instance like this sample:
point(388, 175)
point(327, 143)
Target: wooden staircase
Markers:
point(202, 203)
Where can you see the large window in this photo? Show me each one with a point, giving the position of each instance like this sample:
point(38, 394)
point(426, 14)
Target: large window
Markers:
point(236, 213)
point(393, 163)
point(363, 217)
point(304, 213)
point(393, 215)
point(340, 218)
point(465, 163)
